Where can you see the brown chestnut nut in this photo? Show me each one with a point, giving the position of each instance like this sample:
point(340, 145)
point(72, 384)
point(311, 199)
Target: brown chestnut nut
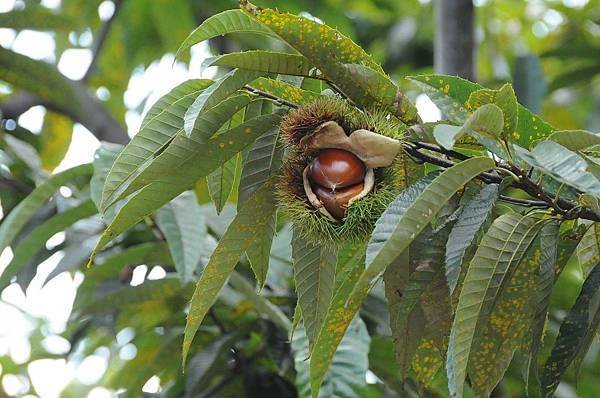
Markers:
point(336, 201)
point(336, 168)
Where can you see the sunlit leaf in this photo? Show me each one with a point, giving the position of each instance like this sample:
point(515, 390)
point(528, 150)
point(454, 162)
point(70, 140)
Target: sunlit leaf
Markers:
point(55, 140)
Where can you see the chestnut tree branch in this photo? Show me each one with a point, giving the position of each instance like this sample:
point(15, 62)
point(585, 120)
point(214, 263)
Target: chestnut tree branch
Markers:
point(543, 198)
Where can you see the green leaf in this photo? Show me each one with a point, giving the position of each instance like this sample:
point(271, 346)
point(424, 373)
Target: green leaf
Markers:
point(215, 94)
point(487, 119)
point(546, 276)
point(261, 304)
point(575, 140)
point(355, 73)
point(397, 226)
point(499, 252)
point(220, 183)
point(469, 223)
point(104, 158)
point(230, 21)
point(182, 223)
point(37, 238)
point(314, 274)
point(183, 148)
point(37, 77)
point(265, 61)
point(55, 140)
point(259, 254)
point(262, 162)
point(285, 91)
point(451, 94)
point(505, 99)
point(346, 376)
point(20, 215)
point(563, 165)
point(163, 121)
point(239, 236)
point(35, 17)
point(580, 75)
point(396, 278)
point(336, 322)
point(506, 327)
point(588, 250)
point(194, 159)
point(581, 320)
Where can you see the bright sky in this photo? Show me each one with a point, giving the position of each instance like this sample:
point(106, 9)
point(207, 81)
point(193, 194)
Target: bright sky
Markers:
point(53, 301)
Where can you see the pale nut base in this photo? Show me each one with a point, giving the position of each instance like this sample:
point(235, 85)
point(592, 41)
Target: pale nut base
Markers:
point(369, 183)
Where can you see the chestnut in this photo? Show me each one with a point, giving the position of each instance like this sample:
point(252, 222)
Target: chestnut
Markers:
point(337, 201)
point(336, 168)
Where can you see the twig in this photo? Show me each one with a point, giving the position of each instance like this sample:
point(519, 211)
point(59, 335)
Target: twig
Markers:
point(562, 207)
point(99, 41)
point(275, 98)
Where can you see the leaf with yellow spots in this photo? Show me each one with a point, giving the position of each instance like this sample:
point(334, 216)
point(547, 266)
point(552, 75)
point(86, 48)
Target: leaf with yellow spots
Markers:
point(505, 328)
point(588, 250)
point(265, 61)
point(240, 234)
point(505, 99)
point(56, 138)
point(162, 122)
point(576, 333)
point(451, 94)
point(175, 170)
point(230, 21)
point(498, 254)
point(337, 59)
point(285, 91)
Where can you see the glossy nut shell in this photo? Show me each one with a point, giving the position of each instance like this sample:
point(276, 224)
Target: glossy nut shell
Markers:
point(336, 169)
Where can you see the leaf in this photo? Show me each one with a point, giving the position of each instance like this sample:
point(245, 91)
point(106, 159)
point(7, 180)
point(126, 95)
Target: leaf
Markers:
point(262, 162)
point(346, 376)
point(265, 61)
point(285, 91)
point(451, 94)
point(336, 322)
point(579, 75)
point(183, 148)
point(55, 140)
point(36, 239)
point(220, 183)
point(500, 250)
point(162, 122)
point(314, 274)
point(574, 330)
point(194, 160)
point(487, 119)
point(575, 140)
point(216, 93)
point(230, 21)
point(469, 223)
point(505, 99)
point(588, 250)
point(398, 226)
point(20, 215)
point(545, 278)
point(354, 71)
point(506, 327)
point(239, 236)
point(261, 304)
point(563, 165)
point(35, 17)
point(182, 223)
point(37, 77)
point(259, 254)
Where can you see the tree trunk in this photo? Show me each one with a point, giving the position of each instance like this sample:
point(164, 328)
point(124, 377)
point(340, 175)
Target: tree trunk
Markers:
point(454, 45)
